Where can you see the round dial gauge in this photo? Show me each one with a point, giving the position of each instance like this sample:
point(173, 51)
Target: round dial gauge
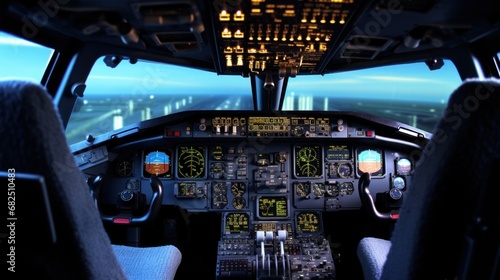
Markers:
point(403, 166)
point(302, 190)
point(317, 189)
point(344, 170)
point(134, 185)
point(398, 183)
point(332, 189)
point(395, 194)
point(191, 162)
point(157, 163)
point(220, 201)
point(124, 168)
point(346, 188)
point(238, 203)
point(238, 188)
point(308, 222)
point(298, 131)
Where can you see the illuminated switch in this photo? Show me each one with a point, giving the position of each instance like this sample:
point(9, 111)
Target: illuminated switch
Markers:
point(239, 60)
point(226, 33)
point(229, 61)
point(238, 49)
point(239, 16)
point(224, 16)
point(239, 34)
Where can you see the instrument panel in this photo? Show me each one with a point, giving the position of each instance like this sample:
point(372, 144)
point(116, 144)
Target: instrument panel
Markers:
point(271, 166)
point(270, 177)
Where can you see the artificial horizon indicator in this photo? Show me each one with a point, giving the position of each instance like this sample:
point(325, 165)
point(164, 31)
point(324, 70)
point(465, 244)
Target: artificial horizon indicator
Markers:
point(157, 163)
point(370, 161)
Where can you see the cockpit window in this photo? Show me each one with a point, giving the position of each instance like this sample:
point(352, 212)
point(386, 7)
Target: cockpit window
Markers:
point(132, 92)
point(138, 91)
point(22, 59)
point(408, 93)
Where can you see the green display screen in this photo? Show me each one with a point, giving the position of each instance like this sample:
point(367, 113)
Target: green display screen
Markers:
point(272, 207)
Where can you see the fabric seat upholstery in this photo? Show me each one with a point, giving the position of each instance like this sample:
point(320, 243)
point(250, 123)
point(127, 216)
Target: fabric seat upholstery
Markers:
point(372, 253)
point(33, 142)
point(427, 241)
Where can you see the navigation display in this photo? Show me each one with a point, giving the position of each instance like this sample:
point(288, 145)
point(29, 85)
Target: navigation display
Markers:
point(191, 162)
point(272, 207)
point(308, 161)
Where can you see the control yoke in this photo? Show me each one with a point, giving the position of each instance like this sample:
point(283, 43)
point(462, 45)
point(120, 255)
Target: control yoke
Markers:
point(368, 202)
point(127, 218)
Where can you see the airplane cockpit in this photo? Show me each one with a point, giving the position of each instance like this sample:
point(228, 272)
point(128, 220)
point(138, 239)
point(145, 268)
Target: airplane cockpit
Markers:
point(265, 139)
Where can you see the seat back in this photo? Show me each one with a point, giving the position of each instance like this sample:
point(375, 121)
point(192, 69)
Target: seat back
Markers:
point(453, 169)
point(33, 142)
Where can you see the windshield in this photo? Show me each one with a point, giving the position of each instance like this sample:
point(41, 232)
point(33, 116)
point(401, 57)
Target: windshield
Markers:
point(130, 93)
point(407, 93)
point(134, 92)
point(22, 59)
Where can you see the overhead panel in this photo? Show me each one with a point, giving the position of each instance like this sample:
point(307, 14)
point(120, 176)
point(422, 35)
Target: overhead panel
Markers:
point(290, 37)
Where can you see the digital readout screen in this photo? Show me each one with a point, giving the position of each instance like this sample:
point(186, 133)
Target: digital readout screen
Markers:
point(308, 222)
point(237, 223)
point(272, 207)
point(191, 162)
point(338, 152)
point(308, 161)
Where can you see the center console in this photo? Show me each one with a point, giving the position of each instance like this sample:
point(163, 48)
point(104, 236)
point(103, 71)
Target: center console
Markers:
point(273, 249)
